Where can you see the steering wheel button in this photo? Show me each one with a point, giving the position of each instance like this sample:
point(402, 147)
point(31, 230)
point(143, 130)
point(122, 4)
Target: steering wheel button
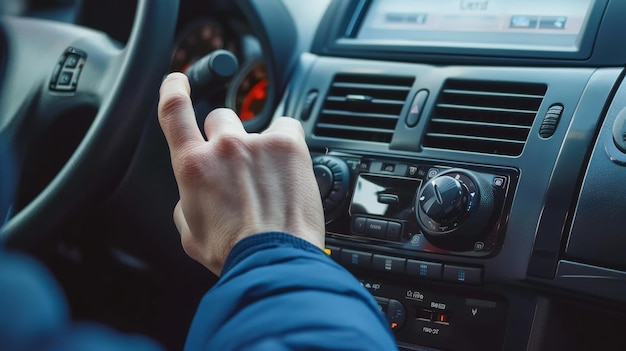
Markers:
point(65, 78)
point(71, 61)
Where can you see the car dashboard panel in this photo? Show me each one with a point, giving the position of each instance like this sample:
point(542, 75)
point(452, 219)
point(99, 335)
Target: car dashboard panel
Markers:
point(470, 156)
point(462, 175)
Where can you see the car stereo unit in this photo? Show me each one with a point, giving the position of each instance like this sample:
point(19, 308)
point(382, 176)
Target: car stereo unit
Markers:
point(410, 206)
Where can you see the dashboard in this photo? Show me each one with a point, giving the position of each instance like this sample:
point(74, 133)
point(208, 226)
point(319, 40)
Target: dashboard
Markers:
point(470, 156)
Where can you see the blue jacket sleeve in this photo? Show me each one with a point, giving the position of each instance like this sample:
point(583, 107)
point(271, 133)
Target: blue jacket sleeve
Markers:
point(279, 292)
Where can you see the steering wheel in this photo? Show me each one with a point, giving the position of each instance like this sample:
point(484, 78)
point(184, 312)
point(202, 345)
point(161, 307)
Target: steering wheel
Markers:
point(49, 69)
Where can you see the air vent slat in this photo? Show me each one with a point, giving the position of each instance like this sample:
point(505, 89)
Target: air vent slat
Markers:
point(477, 123)
point(484, 116)
point(489, 93)
point(357, 115)
point(363, 107)
point(359, 129)
point(484, 108)
point(370, 86)
point(374, 101)
point(474, 138)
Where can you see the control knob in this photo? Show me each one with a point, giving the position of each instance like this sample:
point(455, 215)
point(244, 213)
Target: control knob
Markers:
point(333, 179)
point(455, 209)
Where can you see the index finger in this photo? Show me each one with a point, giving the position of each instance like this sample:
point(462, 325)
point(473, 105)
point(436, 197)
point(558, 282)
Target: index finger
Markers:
point(176, 114)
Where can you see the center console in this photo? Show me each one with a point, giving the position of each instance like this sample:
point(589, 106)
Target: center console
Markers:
point(395, 210)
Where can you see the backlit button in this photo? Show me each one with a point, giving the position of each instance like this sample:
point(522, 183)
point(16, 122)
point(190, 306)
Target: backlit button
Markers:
point(464, 275)
point(388, 264)
point(423, 269)
point(396, 314)
point(376, 228)
point(351, 258)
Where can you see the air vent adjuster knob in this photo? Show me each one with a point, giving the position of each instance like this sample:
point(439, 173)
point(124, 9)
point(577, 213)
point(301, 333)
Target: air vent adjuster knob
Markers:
point(455, 208)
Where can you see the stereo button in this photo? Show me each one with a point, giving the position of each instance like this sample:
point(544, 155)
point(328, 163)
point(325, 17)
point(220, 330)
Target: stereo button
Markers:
point(417, 106)
point(388, 264)
point(464, 275)
point(424, 270)
point(351, 258)
point(358, 226)
point(396, 314)
point(376, 228)
point(394, 230)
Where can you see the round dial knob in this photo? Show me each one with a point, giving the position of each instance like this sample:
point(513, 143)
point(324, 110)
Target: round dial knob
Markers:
point(455, 208)
point(333, 179)
point(444, 199)
point(324, 177)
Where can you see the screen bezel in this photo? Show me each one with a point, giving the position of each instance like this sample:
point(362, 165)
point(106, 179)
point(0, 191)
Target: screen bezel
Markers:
point(345, 39)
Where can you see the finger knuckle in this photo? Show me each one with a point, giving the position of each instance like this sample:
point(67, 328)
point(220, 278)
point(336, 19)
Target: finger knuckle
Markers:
point(173, 103)
point(232, 147)
point(284, 142)
point(190, 164)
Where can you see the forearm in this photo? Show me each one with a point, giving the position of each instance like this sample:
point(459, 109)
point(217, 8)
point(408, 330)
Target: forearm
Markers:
point(280, 291)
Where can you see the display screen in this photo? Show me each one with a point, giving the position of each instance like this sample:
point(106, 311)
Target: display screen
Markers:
point(390, 197)
point(541, 25)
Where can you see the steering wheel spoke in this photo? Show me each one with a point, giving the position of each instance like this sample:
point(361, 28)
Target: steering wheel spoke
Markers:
point(51, 69)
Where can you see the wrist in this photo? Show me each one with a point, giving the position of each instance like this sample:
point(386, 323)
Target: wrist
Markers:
point(263, 241)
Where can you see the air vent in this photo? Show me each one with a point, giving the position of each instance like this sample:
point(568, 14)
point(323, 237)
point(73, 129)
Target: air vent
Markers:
point(484, 116)
point(363, 107)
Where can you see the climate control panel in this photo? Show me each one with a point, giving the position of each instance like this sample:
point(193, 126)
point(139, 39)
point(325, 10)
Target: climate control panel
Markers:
point(415, 205)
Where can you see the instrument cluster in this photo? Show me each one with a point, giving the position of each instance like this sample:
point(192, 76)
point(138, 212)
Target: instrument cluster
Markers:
point(247, 91)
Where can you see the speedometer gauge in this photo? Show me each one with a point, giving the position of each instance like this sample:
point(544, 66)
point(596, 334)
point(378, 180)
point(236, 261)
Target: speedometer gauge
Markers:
point(197, 40)
point(248, 92)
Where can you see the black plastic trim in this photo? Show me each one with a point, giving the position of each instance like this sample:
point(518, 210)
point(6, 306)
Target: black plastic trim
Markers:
point(566, 175)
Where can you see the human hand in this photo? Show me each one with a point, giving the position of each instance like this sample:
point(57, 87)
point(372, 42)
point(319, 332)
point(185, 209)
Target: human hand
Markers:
point(236, 184)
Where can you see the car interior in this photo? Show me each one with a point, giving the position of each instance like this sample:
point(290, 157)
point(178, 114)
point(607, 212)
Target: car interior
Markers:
point(470, 155)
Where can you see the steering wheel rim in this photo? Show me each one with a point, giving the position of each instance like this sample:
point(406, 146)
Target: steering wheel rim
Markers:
point(132, 76)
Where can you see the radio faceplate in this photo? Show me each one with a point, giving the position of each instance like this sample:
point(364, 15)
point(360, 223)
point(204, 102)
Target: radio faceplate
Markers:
point(433, 316)
point(385, 196)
